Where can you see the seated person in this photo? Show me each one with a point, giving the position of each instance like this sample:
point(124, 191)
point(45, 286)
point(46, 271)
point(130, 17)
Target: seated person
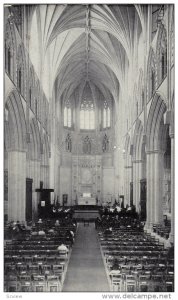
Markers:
point(108, 230)
point(40, 221)
point(70, 236)
point(54, 209)
point(118, 208)
point(34, 232)
point(62, 249)
point(115, 265)
point(41, 232)
point(72, 233)
point(57, 223)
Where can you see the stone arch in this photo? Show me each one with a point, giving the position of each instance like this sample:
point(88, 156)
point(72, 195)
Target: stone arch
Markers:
point(15, 150)
point(16, 133)
point(35, 141)
point(151, 70)
point(155, 147)
point(155, 123)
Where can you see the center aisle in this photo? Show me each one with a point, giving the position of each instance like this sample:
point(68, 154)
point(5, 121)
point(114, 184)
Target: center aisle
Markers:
point(86, 272)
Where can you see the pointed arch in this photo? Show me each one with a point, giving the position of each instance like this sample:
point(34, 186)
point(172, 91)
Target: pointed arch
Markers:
point(16, 121)
point(155, 123)
point(35, 143)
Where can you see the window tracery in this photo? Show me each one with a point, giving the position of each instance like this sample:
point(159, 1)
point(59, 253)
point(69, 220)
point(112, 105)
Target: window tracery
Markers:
point(87, 114)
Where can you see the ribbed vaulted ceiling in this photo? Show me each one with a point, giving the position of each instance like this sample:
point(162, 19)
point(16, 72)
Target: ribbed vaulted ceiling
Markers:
point(94, 43)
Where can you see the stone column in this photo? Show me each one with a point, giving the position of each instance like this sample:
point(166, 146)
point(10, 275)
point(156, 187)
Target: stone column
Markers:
point(134, 182)
point(35, 175)
point(150, 189)
point(139, 170)
point(128, 170)
point(158, 187)
point(171, 235)
point(137, 164)
point(16, 185)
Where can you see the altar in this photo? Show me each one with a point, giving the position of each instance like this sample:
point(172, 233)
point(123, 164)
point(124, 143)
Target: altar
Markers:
point(86, 201)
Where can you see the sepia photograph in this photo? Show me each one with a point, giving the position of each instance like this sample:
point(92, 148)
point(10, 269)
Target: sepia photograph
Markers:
point(89, 160)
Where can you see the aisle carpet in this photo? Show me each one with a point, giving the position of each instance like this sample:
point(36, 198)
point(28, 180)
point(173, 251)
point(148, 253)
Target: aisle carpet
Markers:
point(86, 271)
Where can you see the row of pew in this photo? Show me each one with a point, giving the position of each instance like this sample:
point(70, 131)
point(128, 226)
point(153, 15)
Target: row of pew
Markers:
point(136, 262)
point(33, 263)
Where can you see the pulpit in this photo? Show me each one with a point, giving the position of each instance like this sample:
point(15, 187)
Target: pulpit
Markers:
point(44, 201)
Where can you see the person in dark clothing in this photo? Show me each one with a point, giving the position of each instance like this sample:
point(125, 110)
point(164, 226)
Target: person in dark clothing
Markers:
point(115, 265)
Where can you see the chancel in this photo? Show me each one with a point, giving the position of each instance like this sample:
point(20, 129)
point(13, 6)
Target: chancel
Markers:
point(89, 147)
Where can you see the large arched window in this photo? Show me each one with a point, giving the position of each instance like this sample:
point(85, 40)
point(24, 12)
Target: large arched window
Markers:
point(106, 115)
point(67, 115)
point(87, 115)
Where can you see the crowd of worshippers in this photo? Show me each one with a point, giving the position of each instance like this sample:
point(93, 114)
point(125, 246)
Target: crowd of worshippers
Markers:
point(118, 218)
point(42, 228)
point(109, 222)
point(117, 210)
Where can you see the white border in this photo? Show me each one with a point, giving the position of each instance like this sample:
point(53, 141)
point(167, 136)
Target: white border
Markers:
point(71, 295)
